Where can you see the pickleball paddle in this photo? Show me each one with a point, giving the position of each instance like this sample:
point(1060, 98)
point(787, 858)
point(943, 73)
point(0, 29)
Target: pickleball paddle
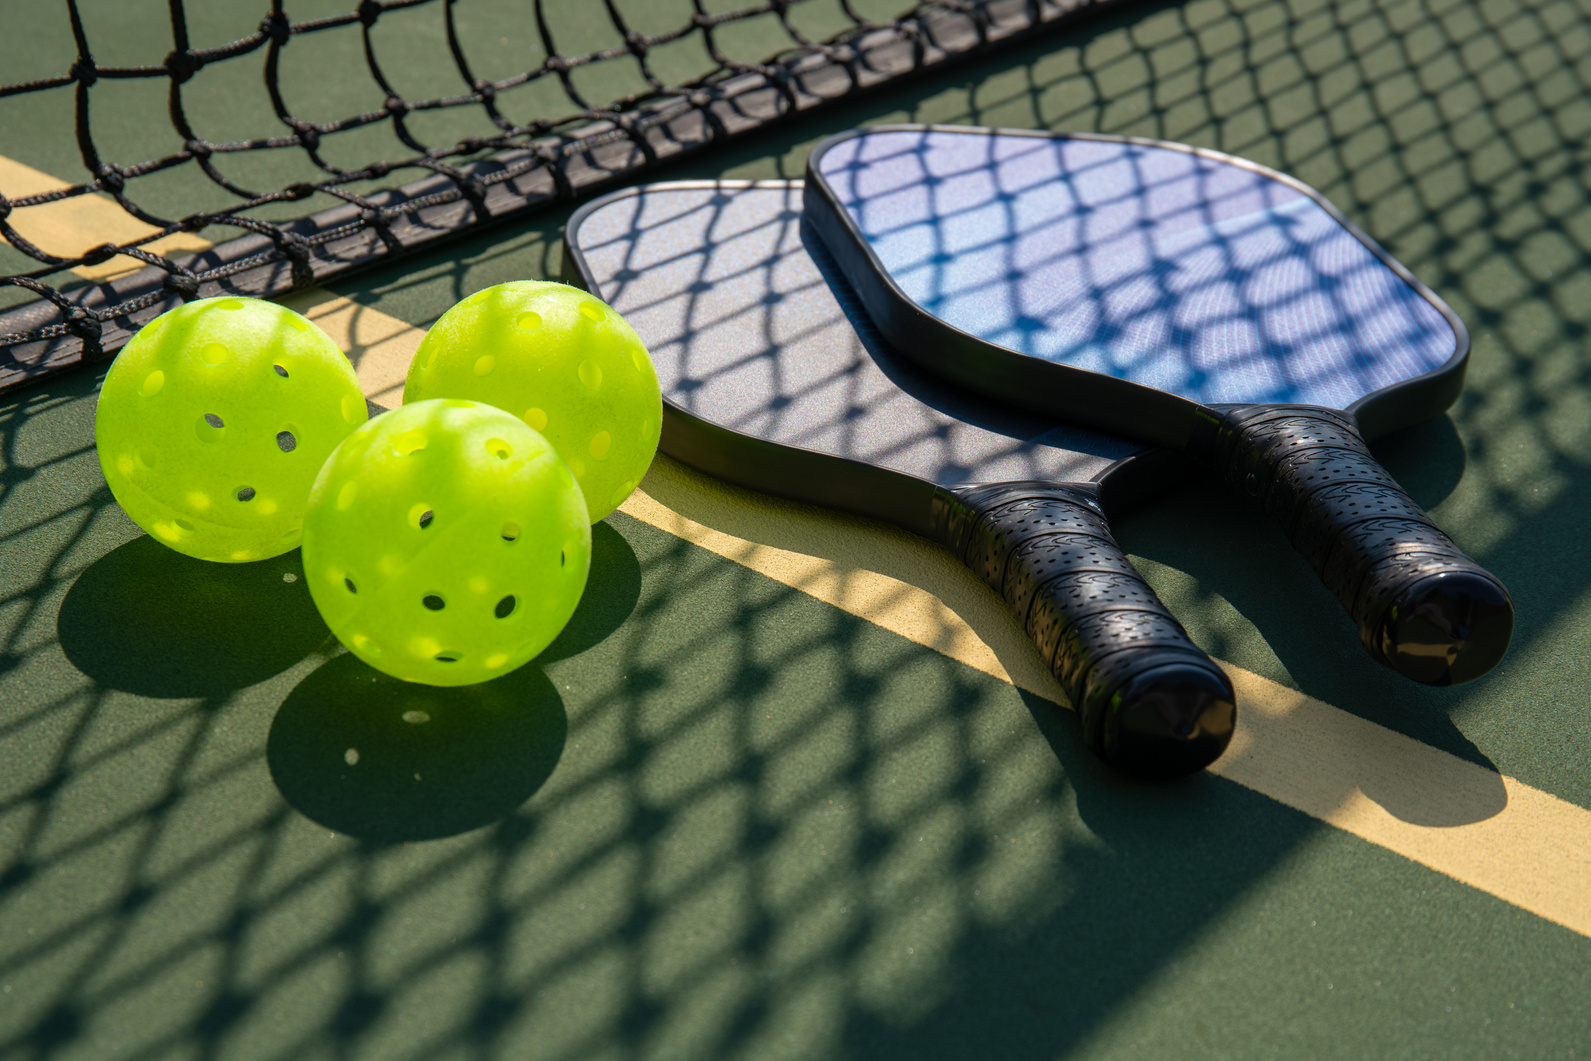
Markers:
point(773, 379)
point(1190, 299)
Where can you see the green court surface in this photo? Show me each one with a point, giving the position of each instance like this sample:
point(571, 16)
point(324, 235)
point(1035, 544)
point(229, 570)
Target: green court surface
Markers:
point(725, 818)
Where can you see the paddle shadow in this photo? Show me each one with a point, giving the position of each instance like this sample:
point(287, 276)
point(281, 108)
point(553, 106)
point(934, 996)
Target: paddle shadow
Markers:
point(382, 759)
point(148, 620)
point(1427, 460)
point(1229, 566)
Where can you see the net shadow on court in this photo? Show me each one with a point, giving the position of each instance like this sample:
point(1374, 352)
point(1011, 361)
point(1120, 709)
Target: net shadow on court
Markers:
point(775, 828)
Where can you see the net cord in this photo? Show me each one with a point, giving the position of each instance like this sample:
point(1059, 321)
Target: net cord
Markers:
point(476, 180)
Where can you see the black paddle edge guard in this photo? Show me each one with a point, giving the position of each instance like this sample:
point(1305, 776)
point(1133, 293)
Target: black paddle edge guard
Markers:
point(91, 322)
point(1150, 701)
point(1423, 608)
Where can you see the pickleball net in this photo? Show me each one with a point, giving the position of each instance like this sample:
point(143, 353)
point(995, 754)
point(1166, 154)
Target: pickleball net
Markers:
point(496, 148)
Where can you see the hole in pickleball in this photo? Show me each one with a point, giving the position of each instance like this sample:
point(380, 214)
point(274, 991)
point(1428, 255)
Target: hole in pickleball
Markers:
point(505, 607)
point(286, 441)
point(528, 321)
point(590, 374)
point(185, 525)
point(433, 602)
point(230, 303)
point(510, 531)
point(484, 365)
point(459, 403)
point(536, 418)
point(244, 493)
point(449, 657)
point(152, 383)
point(591, 311)
point(408, 443)
point(209, 428)
point(601, 443)
point(563, 557)
point(297, 323)
point(499, 449)
point(350, 584)
point(280, 370)
point(213, 353)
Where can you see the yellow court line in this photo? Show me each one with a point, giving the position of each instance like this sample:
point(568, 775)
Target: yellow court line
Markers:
point(1523, 846)
point(68, 227)
point(379, 346)
point(1494, 833)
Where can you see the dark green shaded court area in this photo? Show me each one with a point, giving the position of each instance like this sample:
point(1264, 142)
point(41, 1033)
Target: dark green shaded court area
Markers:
point(722, 819)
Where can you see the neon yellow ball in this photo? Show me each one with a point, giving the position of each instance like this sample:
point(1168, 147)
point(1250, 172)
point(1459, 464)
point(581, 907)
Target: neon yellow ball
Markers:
point(446, 543)
point(213, 421)
point(565, 363)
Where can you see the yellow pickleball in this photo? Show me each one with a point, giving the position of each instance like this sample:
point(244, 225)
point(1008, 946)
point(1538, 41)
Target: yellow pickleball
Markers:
point(214, 420)
point(446, 543)
point(563, 362)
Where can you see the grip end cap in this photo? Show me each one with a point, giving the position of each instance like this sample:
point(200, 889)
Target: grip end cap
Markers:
point(1169, 721)
point(1447, 628)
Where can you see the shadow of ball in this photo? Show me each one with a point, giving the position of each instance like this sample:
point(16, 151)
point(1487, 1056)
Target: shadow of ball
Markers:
point(612, 591)
point(148, 620)
point(386, 760)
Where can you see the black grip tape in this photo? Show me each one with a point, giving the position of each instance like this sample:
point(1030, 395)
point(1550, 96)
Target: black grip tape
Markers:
point(1048, 550)
point(1369, 542)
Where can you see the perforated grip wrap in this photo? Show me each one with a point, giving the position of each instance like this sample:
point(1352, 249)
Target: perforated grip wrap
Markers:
point(1150, 701)
point(1422, 607)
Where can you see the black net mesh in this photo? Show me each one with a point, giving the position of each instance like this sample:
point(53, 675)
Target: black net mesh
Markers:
point(558, 127)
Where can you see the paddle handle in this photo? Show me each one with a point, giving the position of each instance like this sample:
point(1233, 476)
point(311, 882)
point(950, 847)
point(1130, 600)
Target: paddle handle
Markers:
point(1150, 701)
point(1423, 608)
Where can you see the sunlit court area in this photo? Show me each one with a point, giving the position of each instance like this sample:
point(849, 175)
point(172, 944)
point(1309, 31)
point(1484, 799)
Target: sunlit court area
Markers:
point(817, 768)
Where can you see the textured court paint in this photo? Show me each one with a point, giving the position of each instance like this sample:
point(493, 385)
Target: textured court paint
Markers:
point(1493, 833)
point(1279, 753)
point(68, 227)
point(1291, 940)
point(1180, 272)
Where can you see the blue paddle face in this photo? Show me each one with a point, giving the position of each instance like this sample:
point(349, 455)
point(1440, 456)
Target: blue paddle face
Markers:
point(1184, 273)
